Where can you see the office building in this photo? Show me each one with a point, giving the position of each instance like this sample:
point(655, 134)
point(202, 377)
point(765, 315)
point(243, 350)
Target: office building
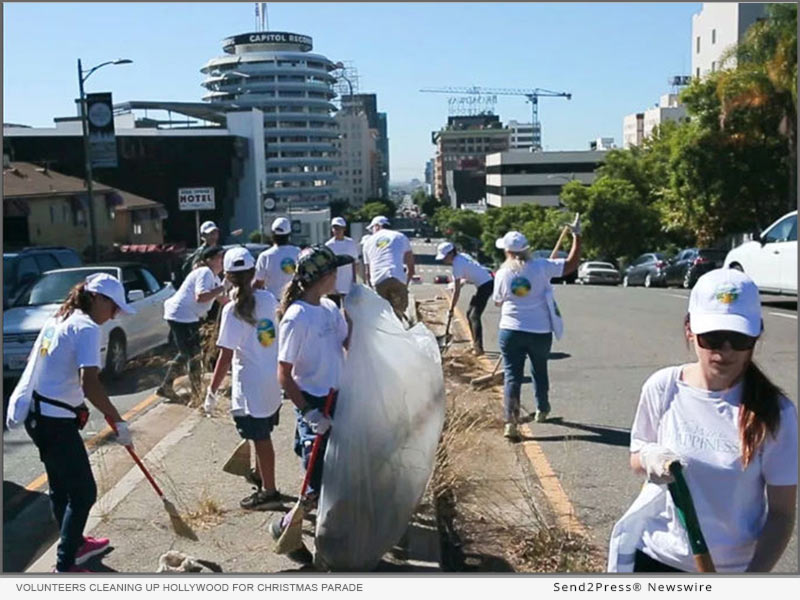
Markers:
point(717, 28)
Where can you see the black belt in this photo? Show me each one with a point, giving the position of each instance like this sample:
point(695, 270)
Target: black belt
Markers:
point(81, 412)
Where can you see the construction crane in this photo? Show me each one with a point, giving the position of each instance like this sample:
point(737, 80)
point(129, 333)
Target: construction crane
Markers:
point(531, 94)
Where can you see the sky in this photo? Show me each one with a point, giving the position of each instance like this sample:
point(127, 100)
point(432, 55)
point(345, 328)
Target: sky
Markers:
point(614, 58)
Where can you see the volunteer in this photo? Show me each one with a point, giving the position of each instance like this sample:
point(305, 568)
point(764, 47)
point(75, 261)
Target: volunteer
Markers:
point(183, 311)
point(248, 340)
point(467, 270)
point(276, 265)
point(340, 244)
point(313, 335)
point(209, 237)
point(386, 252)
point(528, 318)
point(62, 370)
point(733, 430)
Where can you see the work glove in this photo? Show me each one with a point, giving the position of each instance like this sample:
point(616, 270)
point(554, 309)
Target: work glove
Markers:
point(318, 422)
point(210, 402)
point(656, 460)
point(575, 226)
point(123, 433)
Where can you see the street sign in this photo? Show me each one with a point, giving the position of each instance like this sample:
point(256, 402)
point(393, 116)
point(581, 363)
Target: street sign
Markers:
point(200, 198)
point(269, 203)
point(100, 119)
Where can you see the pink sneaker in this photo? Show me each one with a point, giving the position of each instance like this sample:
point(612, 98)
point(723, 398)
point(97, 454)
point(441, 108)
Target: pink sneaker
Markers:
point(92, 546)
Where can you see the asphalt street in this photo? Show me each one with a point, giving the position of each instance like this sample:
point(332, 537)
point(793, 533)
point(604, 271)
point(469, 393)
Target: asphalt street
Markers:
point(614, 339)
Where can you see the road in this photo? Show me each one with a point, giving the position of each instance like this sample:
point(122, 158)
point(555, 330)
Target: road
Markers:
point(615, 338)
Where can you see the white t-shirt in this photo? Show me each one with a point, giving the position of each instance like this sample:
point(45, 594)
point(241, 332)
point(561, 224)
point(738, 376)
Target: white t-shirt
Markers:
point(182, 306)
point(344, 274)
point(255, 390)
point(466, 267)
point(702, 428)
point(384, 252)
point(67, 346)
point(523, 295)
point(311, 339)
point(276, 266)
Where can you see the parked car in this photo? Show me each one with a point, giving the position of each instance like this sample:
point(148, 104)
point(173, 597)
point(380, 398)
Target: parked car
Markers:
point(598, 272)
point(771, 258)
point(124, 337)
point(441, 279)
point(691, 263)
point(571, 278)
point(646, 270)
point(22, 267)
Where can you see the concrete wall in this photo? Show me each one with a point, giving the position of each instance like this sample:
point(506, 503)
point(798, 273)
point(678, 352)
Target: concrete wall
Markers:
point(248, 209)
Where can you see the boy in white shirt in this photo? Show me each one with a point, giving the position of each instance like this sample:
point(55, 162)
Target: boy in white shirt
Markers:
point(276, 265)
point(386, 253)
point(341, 244)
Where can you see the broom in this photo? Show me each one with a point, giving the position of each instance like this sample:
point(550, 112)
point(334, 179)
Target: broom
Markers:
point(178, 524)
point(688, 516)
point(292, 536)
point(239, 462)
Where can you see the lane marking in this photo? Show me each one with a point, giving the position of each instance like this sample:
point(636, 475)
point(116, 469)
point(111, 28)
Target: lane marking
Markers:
point(785, 315)
point(559, 502)
point(678, 296)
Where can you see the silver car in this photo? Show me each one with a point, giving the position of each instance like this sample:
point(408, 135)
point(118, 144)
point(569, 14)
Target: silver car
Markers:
point(598, 272)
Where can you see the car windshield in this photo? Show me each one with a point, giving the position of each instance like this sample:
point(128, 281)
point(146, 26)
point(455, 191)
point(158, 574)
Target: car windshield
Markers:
point(8, 269)
point(599, 265)
point(53, 287)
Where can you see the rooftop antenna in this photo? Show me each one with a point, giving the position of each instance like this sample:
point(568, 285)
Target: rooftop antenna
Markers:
point(262, 19)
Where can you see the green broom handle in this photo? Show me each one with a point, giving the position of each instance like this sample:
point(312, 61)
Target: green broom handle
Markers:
point(687, 514)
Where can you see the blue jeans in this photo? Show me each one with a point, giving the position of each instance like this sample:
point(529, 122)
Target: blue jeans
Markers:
point(515, 347)
point(72, 487)
point(304, 441)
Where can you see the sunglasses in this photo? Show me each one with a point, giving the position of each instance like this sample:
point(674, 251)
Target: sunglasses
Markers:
point(715, 340)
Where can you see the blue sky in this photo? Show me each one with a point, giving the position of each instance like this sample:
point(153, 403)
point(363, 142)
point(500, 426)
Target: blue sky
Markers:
point(615, 58)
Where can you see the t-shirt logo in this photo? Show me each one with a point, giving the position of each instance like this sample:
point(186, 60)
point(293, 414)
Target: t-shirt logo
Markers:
point(727, 293)
point(265, 329)
point(520, 286)
point(288, 266)
point(47, 339)
point(382, 243)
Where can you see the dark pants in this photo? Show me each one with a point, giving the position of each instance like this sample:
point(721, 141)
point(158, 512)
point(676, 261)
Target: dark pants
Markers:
point(476, 307)
point(642, 563)
point(516, 346)
point(187, 338)
point(72, 488)
point(304, 441)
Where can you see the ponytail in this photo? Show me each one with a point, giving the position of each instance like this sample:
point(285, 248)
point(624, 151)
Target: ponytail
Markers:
point(78, 298)
point(245, 302)
point(291, 292)
point(760, 412)
point(516, 262)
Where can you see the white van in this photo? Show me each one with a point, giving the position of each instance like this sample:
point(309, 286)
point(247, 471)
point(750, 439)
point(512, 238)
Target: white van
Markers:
point(770, 259)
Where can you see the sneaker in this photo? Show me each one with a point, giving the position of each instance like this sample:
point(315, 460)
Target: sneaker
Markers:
point(510, 431)
point(276, 528)
point(91, 547)
point(254, 478)
point(168, 392)
point(262, 500)
point(72, 569)
point(541, 416)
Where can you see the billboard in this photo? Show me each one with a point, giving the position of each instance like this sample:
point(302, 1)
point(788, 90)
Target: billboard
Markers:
point(100, 119)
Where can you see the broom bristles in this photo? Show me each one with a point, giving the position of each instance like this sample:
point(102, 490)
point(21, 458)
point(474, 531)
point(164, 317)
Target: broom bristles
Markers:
point(179, 526)
point(292, 536)
point(239, 462)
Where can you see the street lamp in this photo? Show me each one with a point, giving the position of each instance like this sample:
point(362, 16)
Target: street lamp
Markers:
point(82, 77)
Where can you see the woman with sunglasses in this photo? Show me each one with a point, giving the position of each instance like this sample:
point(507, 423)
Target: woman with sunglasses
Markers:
point(62, 370)
point(732, 429)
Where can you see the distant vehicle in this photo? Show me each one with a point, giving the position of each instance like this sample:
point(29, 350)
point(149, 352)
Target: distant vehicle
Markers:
point(22, 267)
point(571, 278)
point(125, 337)
point(770, 259)
point(689, 264)
point(598, 272)
point(646, 270)
point(441, 279)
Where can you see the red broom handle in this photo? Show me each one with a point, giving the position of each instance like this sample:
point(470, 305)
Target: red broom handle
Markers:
point(138, 462)
point(315, 448)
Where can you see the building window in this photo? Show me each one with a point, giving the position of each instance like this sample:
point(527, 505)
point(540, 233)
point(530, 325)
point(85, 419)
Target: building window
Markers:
point(137, 229)
point(698, 44)
point(713, 36)
point(713, 66)
point(52, 214)
point(697, 73)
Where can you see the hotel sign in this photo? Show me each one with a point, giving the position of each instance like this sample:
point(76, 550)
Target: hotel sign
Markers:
point(267, 37)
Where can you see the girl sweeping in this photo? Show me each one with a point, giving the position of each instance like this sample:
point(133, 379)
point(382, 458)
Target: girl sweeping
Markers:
point(247, 338)
point(313, 336)
point(732, 429)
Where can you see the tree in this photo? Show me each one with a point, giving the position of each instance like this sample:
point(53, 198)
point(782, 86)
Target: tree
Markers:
point(541, 225)
point(256, 237)
point(372, 209)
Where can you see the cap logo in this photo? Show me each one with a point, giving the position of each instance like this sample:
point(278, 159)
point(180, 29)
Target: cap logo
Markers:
point(238, 263)
point(727, 293)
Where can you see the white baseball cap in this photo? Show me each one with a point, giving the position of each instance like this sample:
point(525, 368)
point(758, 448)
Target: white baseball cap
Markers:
point(379, 220)
point(338, 222)
point(725, 300)
point(110, 287)
point(238, 259)
point(207, 227)
point(444, 249)
point(513, 241)
point(281, 226)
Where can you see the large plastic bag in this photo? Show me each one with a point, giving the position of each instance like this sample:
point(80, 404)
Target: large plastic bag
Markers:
point(381, 452)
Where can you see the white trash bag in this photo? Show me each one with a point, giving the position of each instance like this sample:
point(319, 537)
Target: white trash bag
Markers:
point(386, 428)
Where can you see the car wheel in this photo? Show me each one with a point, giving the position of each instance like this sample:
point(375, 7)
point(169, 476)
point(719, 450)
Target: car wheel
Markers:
point(116, 355)
point(625, 282)
point(687, 281)
point(648, 281)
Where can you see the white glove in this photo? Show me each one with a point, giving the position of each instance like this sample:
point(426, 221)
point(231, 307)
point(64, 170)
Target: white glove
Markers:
point(210, 402)
point(656, 460)
point(318, 422)
point(123, 434)
point(575, 226)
